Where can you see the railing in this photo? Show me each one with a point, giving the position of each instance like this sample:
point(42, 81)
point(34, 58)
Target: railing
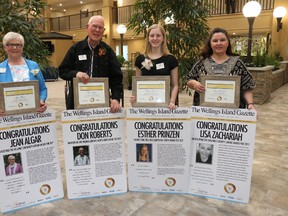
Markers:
point(75, 21)
point(235, 6)
point(122, 14)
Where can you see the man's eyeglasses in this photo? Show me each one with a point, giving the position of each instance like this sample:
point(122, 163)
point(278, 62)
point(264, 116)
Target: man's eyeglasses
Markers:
point(11, 45)
point(100, 28)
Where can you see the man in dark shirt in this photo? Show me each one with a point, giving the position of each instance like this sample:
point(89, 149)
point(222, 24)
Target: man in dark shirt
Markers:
point(92, 57)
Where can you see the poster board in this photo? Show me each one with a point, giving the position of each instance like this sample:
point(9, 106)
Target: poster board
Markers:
point(222, 153)
point(30, 140)
point(99, 135)
point(158, 149)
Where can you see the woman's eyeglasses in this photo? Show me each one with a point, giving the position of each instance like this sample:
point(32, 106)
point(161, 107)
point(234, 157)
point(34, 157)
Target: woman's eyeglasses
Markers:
point(11, 45)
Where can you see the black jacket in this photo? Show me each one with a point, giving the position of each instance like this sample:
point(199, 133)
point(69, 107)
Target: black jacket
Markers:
point(78, 58)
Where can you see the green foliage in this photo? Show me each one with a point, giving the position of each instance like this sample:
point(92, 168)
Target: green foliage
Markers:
point(272, 60)
point(120, 59)
point(185, 36)
point(25, 18)
point(266, 59)
point(259, 60)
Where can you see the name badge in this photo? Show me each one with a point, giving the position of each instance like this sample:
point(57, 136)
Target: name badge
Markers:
point(160, 66)
point(82, 57)
point(2, 70)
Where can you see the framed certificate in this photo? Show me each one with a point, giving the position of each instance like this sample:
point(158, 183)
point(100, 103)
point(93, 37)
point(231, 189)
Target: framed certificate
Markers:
point(93, 94)
point(221, 91)
point(19, 97)
point(151, 91)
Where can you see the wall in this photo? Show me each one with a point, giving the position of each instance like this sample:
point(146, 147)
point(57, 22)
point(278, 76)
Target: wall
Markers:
point(280, 39)
point(238, 24)
point(76, 10)
point(60, 49)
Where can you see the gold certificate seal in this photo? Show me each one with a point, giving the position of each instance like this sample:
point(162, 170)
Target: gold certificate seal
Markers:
point(219, 98)
point(230, 188)
point(45, 189)
point(92, 100)
point(170, 182)
point(109, 182)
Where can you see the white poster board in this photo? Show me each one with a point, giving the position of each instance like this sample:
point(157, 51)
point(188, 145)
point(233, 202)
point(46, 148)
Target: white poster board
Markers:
point(94, 152)
point(158, 149)
point(222, 153)
point(29, 161)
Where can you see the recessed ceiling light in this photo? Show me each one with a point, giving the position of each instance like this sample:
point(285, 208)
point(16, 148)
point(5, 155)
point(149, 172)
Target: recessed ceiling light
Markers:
point(81, 2)
point(60, 4)
point(64, 10)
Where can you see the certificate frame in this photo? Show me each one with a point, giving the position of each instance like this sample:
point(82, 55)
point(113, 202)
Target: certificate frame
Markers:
point(98, 92)
point(162, 84)
point(26, 93)
point(220, 91)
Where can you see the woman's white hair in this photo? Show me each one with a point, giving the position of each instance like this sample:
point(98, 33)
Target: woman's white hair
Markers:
point(11, 36)
point(11, 157)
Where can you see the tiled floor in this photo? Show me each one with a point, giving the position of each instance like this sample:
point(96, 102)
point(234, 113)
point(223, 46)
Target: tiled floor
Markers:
point(269, 180)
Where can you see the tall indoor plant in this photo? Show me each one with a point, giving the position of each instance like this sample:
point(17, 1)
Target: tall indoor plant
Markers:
point(25, 17)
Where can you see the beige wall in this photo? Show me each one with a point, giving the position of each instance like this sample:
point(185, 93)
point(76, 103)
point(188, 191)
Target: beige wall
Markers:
point(76, 10)
point(280, 39)
point(238, 24)
point(60, 49)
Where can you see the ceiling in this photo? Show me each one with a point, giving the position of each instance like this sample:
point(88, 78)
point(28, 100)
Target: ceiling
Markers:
point(55, 4)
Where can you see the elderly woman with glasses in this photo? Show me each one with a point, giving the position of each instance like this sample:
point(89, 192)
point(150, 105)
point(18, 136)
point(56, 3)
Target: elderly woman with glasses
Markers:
point(16, 68)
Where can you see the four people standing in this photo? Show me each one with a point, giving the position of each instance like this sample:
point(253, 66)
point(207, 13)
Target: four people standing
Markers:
point(92, 57)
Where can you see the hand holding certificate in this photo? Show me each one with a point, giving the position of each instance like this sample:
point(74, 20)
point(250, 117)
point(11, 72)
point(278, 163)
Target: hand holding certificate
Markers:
point(151, 91)
point(19, 97)
point(221, 91)
point(93, 94)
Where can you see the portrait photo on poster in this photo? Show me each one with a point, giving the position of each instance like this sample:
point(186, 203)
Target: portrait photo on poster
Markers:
point(204, 153)
point(81, 155)
point(143, 152)
point(13, 164)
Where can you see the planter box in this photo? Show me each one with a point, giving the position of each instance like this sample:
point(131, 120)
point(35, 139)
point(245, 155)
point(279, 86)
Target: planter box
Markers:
point(284, 65)
point(277, 79)
point(263, 80)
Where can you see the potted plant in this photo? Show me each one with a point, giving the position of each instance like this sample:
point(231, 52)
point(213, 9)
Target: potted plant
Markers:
point(120, 59)
point(129, 75)
point(14, 17)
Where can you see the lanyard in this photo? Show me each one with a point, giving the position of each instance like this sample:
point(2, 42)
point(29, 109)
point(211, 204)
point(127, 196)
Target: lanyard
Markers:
point(92, 60)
